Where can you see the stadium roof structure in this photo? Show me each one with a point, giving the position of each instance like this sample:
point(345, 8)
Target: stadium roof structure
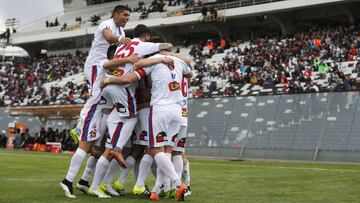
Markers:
point(59, 111)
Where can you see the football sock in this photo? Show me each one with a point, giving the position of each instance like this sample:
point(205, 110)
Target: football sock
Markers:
point(90, 165)
point(75, 164)
point(144, 168)
point(100, 170)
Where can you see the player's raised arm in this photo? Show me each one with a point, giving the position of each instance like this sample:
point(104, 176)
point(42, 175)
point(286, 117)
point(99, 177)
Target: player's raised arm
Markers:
point(152, 61)
point(165, 46)
point(113, 39)
point(116, 62)
point(126, 79)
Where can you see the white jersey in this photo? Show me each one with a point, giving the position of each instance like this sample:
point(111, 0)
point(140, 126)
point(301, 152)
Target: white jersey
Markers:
point(99, 45)
point(166, 81)
point(135, 47)
point(123, 95)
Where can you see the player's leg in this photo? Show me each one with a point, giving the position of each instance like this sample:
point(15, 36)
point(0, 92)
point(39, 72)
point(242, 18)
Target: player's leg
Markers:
point(83, 184)
point(159, 124)
point(89, 133)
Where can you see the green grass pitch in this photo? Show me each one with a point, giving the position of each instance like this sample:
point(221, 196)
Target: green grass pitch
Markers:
point(35, 176)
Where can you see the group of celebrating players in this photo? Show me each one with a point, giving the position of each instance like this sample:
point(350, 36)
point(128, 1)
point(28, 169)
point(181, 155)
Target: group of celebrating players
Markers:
point(136, 116)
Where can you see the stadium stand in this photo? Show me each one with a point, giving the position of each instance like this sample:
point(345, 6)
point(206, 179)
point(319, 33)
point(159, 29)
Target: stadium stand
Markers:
point(320, 59)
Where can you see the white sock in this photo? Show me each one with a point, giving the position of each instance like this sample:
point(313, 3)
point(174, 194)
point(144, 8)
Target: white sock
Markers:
point(113, 169)
point(100, 170)
point(166, 181)
point(90, 165)
point(75, 164)
point(186, 173)
point(164, 163)
point(136, 169)
point(130, 161)
point(160, 178)
point(178, 164)
point(144, 168)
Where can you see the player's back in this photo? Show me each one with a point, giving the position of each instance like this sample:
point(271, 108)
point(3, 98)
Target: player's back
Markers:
point(166, 82)
point(137, 47)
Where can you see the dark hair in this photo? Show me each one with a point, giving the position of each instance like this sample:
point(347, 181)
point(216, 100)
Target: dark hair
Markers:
point(120, 8)
point(141, 30)
point(111, 51)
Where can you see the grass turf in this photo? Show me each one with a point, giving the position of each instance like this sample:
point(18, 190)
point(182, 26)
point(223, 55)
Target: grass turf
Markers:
point(35, 176)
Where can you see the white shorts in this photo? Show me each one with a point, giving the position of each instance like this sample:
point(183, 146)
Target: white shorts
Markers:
point(180, 143)
point(90, 118)
point(140, 135)
point(120, 132)
point(122, 98)
point(164, 124)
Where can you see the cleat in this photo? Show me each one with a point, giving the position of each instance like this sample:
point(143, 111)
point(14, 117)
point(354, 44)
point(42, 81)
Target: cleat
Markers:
point(143, 190)
point(67, 187)
point(111, 191)
point(187, 192)
point(83, 186)
point(98, 193)
point(102, 187)
point(74, 136)
point(118, 187)
point(118, 158)
point(154, 197)
point(180, 192)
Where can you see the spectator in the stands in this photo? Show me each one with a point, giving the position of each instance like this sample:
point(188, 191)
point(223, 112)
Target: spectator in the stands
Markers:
point(3, 139)
point(17, 139)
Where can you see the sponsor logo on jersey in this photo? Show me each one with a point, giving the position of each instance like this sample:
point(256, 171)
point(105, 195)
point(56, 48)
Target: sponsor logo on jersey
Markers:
point(173, 86)
point(117, 72)
point(161, 137)
point(173, 139)
point(181, 142)
point(184, 112)
point(143, 135)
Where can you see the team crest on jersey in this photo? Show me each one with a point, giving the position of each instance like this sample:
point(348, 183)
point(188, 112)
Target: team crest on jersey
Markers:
point(184, 112)
point(171, 66)
point(173, 86)
point(181, 142)
point(143, 135)
point(161, 137)
point(117, 72)
point(93, 132)
point(173, 139)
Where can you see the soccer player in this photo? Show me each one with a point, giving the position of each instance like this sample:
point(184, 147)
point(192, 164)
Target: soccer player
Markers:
point(90, 130)
point(122, 119)
point(108, 32)
point(165, 112)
